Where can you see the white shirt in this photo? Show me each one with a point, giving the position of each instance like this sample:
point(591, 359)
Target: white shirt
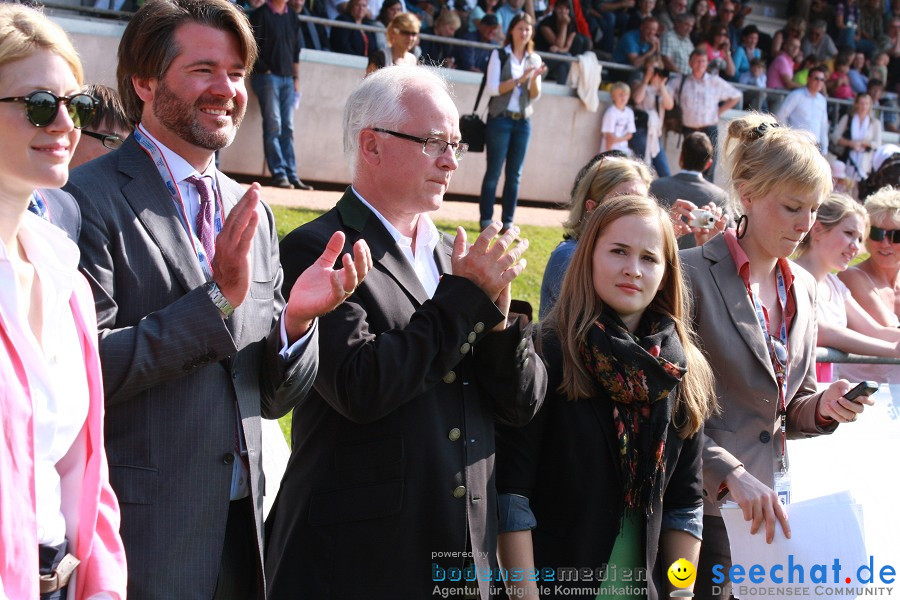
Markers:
point(517, 69)
point(801, 110)
point(619, 123)
point(57, 379)
point(422, 257)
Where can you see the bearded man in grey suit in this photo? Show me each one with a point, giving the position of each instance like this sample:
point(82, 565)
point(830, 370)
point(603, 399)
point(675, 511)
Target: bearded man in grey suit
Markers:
point(195, 338)
point(389, 493)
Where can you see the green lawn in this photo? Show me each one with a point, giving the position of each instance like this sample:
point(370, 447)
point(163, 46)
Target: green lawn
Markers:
point(542, 241)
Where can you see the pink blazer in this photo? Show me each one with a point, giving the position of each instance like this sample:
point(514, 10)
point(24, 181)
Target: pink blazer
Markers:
point(99, 546)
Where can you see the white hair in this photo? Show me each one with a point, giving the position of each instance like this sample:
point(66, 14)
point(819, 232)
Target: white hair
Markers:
point(378, 102)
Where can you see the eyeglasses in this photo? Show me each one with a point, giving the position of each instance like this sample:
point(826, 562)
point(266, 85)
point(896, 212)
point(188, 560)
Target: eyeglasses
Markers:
point(876, 234)
point(729, 11)
point(41, 107)
point(780, 352)
point(818, 78)
point(109, 141)
point(407, 33)
point(432, 147)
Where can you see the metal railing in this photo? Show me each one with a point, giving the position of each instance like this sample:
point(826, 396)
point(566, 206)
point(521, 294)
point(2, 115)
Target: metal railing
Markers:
point(830, 355)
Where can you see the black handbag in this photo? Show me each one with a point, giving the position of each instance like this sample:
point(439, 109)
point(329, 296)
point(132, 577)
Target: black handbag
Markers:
point(471, 127)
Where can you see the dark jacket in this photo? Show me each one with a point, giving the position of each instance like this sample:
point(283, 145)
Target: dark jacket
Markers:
point(352, 41)
point(566, 463)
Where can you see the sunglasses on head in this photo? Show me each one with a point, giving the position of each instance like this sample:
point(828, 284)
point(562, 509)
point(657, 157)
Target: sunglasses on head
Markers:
point(876, 234)
point(41, 107)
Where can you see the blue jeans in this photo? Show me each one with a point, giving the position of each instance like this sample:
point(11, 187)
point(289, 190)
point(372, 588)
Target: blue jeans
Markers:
point(507, 141)
point(276, 100)
point(638, 145)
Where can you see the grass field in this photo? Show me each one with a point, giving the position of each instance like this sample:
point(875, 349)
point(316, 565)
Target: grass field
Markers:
point(542, 241)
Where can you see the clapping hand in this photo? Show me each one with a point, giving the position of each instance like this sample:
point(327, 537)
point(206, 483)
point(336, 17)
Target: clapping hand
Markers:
point(321, 287)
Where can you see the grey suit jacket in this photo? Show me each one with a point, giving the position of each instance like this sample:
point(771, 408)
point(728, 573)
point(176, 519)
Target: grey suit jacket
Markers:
point(747, 430)
point(173, 371)
point(687, 186)
point(64, 211)
point(391, 477)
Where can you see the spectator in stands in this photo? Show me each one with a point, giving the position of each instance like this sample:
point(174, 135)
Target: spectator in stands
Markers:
point(513, 83)
point(640, 11)
point(702, 20)
point(718, 52)
point(746, 52)
point(609, 177)
point(703, 98)
point(726, 16)
point(794, 28)
point(651, 97)
point(635, 48)
point(487, 7)
point(56, 502)
point(617, 127)
point(690, 185)
point(871, 26)
point(389, 10)
point(476, 59)
point(874, 282)
point(611, 17)
point(439, 53)
point(108, 129)
point(838, 84)
point(755, 100)
point(674, 8)
point(781, 72)
point(314, 36)
point(831, 245)
point(806, 108)
point(858, 81)
point(818, 43)
point(778, 179)
point(820, 10)
point(557, 33)
point(508, 11)
point(402, 37)
point(846, 19)
point(613, 459)
point(676, 45)
point(353, 41)
point(276, 82)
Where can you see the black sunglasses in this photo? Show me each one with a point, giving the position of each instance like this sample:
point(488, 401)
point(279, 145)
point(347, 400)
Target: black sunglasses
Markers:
point(876, 234)
point(41, 107)
point(110, 141)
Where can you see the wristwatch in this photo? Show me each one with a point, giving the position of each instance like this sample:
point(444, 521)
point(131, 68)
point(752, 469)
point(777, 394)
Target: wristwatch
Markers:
point(221, 302)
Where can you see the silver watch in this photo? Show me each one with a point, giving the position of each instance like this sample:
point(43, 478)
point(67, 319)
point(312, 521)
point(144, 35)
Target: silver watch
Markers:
point(219, 299)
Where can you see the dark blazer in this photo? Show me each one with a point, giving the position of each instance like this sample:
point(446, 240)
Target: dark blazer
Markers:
point(173, 371)
point(747, 430)
point(687, 186)
point(566, 462)
point(64, 212)
point(393, 452)
point(352, 41)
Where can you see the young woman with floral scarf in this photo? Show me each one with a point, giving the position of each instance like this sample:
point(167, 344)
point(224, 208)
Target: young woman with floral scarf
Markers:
point(607, 476)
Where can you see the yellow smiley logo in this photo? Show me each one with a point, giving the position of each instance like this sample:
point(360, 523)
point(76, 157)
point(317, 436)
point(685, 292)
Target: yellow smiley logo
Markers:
point(682, 573)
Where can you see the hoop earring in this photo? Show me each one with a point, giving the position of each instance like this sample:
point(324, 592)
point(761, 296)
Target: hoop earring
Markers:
point(741, 228)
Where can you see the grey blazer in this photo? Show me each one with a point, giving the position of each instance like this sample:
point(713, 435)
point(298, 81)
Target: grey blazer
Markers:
point(173, 371)
point(747, 431)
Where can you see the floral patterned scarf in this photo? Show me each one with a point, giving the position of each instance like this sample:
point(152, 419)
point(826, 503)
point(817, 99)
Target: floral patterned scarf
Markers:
point(637, 372)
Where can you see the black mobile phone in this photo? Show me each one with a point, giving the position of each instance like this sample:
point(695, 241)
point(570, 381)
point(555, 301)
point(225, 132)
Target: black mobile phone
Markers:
point(864, 388)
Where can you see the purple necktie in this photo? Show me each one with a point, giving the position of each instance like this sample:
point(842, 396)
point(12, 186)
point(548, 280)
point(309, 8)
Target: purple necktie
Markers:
point(206, 227)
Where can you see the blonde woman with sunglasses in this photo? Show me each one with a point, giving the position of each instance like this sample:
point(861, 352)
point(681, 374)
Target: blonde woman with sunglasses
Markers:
point(59, 517)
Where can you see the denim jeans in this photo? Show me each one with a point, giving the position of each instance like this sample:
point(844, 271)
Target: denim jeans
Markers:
point(638, 145)
point(507, 141)
point(276, 100)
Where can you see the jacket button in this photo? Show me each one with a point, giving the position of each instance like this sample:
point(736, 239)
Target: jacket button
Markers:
point(228, 458)
point(479, 327)
point(454, 434)
point(459, 491)
point(450, 377)
point(472, 337)
point(765, 437)
point(465, 348)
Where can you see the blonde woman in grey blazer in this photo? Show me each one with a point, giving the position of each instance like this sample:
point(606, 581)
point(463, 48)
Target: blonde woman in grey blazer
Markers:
point(779, 178)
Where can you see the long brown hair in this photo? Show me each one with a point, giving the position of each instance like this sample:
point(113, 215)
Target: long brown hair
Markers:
point(579, 307)
point(508, 41)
